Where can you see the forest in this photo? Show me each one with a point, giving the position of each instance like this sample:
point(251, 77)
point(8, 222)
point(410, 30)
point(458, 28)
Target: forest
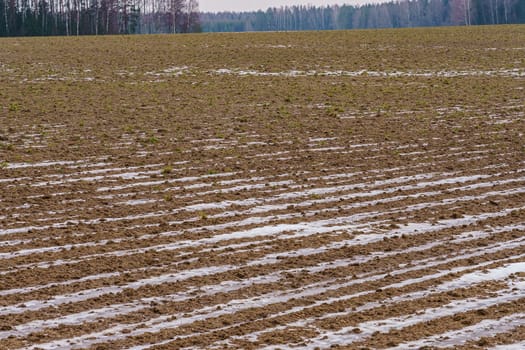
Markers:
point(97, 17)
point(393, 14)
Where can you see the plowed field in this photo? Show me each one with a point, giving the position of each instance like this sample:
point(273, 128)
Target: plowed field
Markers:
point(356, 190)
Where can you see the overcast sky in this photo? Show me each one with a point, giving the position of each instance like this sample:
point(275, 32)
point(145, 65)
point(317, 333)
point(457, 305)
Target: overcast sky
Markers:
point(244, 5)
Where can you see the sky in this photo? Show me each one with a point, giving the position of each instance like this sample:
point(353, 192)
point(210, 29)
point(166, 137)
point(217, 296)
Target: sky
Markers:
point(251, 5)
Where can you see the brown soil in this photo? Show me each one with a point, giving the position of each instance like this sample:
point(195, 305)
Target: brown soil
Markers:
point(148, 198)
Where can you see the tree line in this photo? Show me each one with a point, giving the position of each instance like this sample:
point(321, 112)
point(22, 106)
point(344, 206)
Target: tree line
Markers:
point(393, 14)
point(97, 17)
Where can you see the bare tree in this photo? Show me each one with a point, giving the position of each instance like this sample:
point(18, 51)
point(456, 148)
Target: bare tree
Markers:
point(506, 10)
point(192, 8)
point(467, 12)
point(5, 18)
